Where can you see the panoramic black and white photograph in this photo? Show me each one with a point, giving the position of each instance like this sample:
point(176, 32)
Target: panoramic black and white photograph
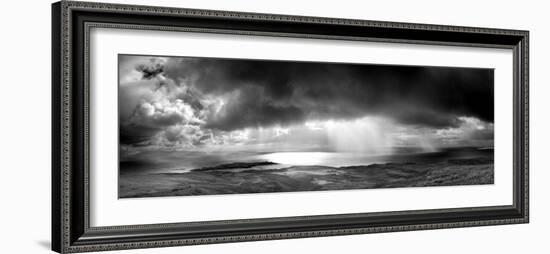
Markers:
point(213, 126)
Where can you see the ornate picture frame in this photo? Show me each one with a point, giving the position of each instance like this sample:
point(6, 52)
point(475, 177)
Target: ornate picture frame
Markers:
point(71, 228)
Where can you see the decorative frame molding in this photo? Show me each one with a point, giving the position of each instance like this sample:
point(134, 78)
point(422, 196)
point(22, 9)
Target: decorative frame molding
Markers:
point(71, 23)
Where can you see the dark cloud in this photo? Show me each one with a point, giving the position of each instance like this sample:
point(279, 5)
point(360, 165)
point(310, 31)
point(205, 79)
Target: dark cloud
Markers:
point(151, 69)
point(188, 101)
point(264, 93)
point(250, 107)
point(133, 134)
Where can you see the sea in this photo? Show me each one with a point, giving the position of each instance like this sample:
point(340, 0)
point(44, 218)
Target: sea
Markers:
point(181, 161)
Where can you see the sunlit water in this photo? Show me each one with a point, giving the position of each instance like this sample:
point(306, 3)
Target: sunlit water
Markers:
point(357, 159)
point(183, 163)
point(320, 159)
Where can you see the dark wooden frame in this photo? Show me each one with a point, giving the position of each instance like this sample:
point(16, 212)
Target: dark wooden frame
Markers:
point(71, 22)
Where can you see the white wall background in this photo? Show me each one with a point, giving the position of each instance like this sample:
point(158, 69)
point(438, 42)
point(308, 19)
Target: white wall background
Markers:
point(25, 126)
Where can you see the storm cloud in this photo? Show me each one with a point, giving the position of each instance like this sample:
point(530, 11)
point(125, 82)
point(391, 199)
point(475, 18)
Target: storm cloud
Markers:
point(280, 92)
point(195, 99)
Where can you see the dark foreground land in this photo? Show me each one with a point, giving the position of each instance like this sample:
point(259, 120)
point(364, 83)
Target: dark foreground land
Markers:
point(251, 178)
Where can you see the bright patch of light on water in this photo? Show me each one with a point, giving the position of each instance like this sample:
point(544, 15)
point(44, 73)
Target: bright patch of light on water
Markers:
point(299, 158)
point(320, 159)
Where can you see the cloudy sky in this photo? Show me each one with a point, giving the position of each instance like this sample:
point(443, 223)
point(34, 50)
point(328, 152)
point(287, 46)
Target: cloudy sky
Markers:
point(190, 103)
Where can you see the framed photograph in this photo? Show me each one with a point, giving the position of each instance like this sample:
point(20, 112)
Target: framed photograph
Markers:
point(182, 126)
